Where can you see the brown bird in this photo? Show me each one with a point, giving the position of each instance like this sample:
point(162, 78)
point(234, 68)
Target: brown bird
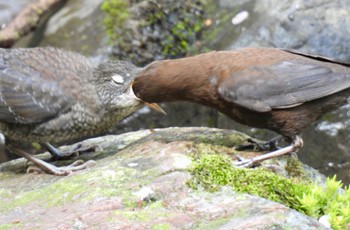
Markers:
point(280, 90)
point(49, 95)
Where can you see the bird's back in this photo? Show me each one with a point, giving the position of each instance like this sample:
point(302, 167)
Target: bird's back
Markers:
point(41, 86)
point(260, 87)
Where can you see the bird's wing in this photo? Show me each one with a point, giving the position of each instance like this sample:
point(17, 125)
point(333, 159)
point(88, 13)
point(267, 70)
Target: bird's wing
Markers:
point(316, 57)
point(284, 84)
point(26, 96)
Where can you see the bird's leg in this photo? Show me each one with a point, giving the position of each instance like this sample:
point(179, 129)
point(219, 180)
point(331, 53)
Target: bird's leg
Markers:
point(296, 144)
point(49, 168)
point(57, 154)
point(261, 146)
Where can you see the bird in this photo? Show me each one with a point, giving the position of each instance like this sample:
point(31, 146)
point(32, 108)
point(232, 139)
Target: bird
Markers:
point(269, 88)
point(53, 96)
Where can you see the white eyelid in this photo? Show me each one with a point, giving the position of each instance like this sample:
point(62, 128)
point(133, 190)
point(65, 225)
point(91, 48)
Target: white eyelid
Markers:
point(118, 79)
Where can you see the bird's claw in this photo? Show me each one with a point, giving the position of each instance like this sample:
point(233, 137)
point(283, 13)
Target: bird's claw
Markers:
point(77, 150)
point(260, 146)
point(63, 170)
point(253, 161)
point(253, 145)
point(243, 163)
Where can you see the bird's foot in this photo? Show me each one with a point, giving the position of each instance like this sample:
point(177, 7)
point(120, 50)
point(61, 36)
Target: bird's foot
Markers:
point(248, 163)
point(243, 162)
point(77, 150)
point(260, 145)
point(44, 167)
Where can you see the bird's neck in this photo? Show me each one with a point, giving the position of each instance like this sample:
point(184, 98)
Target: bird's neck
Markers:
point(193, 79)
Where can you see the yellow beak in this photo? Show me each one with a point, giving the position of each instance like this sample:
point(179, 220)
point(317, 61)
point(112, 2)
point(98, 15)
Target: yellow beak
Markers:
point(155, 107)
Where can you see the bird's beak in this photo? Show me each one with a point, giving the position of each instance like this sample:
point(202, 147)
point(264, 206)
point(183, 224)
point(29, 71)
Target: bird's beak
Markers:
point(153, 106)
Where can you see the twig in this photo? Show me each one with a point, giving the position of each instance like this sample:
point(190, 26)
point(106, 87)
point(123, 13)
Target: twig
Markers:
point(25, 21)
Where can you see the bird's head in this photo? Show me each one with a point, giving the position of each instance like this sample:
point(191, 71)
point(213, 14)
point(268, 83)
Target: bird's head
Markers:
point(114, 85)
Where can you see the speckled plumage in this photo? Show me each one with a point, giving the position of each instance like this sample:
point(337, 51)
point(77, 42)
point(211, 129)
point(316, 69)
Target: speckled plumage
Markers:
point(53, 95)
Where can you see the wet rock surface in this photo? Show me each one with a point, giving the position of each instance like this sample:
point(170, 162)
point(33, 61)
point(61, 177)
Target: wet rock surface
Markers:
point(139, 182)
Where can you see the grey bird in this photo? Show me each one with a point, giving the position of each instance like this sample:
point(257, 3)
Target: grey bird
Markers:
point(54, 96)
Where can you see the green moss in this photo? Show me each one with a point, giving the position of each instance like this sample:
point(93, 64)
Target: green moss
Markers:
point(156, 205)
point(6, 226)
point(136, 215)
point(212, 171)
point(181, 35)
point(329, 200)
point(140, 215)
point(36, 145)
point(161, 226)
point(214, 224)
point(116, 13)
point(295, 169)
point(4, 194)
point(10, 226)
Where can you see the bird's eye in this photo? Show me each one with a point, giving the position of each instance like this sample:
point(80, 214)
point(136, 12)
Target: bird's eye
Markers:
point(118, 79)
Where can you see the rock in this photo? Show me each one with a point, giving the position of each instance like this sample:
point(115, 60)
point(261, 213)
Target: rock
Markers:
point(77, 26)
point(316, 26)
point(9, 9)
point(159, 29)
point(139, 182)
